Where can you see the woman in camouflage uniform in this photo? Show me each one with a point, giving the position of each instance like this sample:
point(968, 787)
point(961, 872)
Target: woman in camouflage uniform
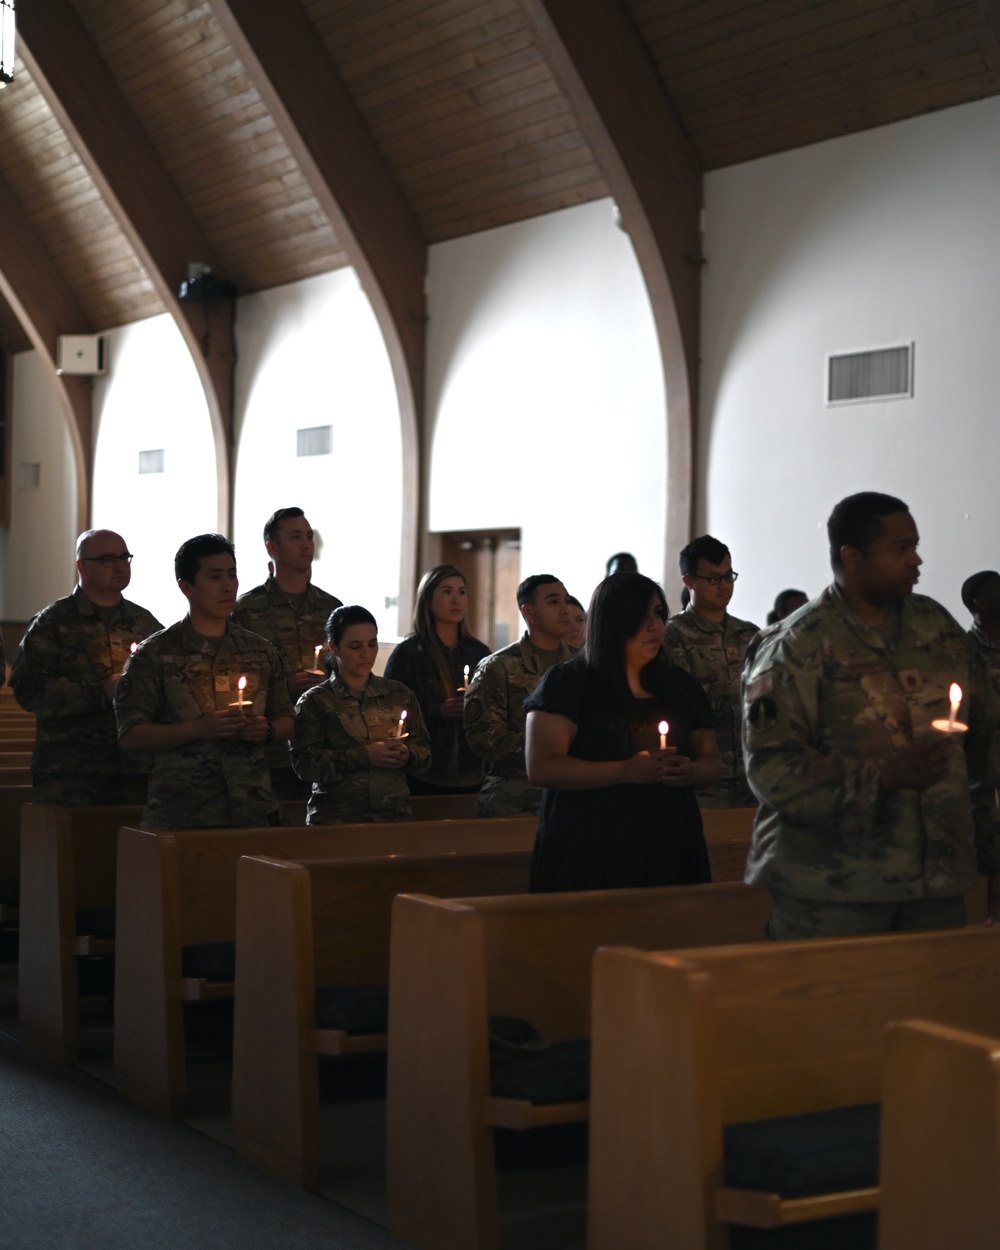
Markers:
point(348, 741)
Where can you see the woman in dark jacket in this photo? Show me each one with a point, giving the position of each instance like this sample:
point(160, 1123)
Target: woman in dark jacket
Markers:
point(436, 661)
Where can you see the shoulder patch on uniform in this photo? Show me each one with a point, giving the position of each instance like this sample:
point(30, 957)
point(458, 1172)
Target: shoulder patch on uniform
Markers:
point(762, 715)
point(122, 687)
point(473, 710)
point(761, 685)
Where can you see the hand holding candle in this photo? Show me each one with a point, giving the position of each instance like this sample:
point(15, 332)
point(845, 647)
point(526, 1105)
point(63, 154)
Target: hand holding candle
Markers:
point(241, 685)
point(402, 722)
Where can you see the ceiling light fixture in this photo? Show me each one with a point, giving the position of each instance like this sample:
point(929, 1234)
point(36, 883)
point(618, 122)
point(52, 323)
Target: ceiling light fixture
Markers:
point(7, 38)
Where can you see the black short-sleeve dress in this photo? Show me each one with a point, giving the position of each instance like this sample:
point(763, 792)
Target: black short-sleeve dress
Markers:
point(622, 835)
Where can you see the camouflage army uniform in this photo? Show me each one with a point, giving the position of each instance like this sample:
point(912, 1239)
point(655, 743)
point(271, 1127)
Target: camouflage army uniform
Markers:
point(179, 675)
point(712, 652)
point(332, 729)
point(295, 631)
point(495, 720)
point(982, 745)
point(827, 700)
point(70, 649)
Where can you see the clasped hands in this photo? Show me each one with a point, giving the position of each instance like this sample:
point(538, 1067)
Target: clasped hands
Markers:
point(231, 722)
point(662, 765)
point(390, 753)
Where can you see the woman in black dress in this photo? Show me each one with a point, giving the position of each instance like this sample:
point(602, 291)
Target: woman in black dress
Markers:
point(618, 810)
point(437, 661)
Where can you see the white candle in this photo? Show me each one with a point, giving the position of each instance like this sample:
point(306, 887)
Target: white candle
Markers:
point(241, 685)
point(402, 721)
point(955, 695)
point(316, 660)
point(664, 729)
point(134, 648)
point(466, 685)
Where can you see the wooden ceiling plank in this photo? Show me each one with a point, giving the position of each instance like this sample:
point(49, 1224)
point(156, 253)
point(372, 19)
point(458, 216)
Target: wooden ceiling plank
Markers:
point(861, 76)
point(902, 75)
point(655, 178)
point(473, 25)
point(131, 178)
point(955, 83)
point(547, 195)
point(464, 164)
point(353, 24)
point(108, 22)
point(857, 43)
point(334, 148)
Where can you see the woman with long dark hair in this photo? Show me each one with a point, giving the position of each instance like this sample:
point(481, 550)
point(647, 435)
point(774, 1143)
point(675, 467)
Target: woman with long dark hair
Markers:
point(435, 661)
point(349, 731)
point(618, 808)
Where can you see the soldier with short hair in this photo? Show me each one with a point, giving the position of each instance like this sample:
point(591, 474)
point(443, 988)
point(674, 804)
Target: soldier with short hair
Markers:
point(865, 823)
point(291, 613)
point(709, 643)
point(180, 698)
point(494, 702)
point(66, 670)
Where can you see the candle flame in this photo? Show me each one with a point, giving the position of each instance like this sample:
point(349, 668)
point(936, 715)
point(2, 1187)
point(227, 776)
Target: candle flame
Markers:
point(402, 715)
point(955, 693)
point(242, 683)
point(134, 647)
point(663, 727)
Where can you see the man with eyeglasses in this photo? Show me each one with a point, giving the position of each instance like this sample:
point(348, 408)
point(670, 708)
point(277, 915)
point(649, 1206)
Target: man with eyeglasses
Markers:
point(66, 670)
point(710, 644)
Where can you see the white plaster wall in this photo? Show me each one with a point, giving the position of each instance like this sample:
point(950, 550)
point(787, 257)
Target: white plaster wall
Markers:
point(152, 398)
point(310, 354)
point(545, 394)
point(36, 552)
point(873, 240)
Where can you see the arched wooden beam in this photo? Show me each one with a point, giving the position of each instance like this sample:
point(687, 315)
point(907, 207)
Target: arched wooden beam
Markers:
point(132, 180)
point(46, 309)
point(656, 180)
point(300, 86)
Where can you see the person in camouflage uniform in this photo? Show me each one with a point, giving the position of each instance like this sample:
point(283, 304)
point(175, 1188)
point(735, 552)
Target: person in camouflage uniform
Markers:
point(709, 643)
point(981, 595)
point(865, 822)
point(348, 742)
point(291, 613)
point(179, 698)
point(494, 702)
point(66, 670)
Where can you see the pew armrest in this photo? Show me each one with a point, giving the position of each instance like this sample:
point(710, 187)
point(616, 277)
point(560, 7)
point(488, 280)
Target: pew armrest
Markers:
point(763, 1210)
point(198, 990)
point(338, 1042)
point(518, 1113)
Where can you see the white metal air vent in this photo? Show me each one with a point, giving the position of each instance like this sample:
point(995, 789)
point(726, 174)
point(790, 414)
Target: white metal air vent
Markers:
point(317, 440)
point(151, 461)
point(886, 373)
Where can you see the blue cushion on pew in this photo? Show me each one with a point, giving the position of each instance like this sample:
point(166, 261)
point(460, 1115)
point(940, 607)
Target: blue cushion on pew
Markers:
point(98, 922)
point(209, 961)
point(353, 1008)
point(560, 1073)
point(10, 892)
point(798, 1155)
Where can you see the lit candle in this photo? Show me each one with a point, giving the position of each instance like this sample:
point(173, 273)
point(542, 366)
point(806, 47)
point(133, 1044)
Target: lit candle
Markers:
point(466, 683)
point(955, 695)
point(316, 660)
point(134, 648)
point(241, 685)
point(664, 729)
point(402, 722)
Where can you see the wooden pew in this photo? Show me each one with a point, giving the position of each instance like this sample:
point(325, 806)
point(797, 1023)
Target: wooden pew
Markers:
point(685, 1044)
point(456, 963)
point(179, 889)
point(67, 867)
point(12, 800)
point(940, 1152)
point(305, 925)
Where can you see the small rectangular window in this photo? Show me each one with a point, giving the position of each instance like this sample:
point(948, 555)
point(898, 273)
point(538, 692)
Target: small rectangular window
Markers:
point(317, 440)
point(151, 461)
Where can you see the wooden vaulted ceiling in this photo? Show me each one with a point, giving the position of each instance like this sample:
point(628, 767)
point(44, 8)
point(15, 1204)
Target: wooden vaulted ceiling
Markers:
point(466, 112)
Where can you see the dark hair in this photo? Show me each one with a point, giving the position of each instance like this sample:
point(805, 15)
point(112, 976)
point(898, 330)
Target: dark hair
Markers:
point(781, 601)
point(526, 590)
point(574, 602)
point(685, 597)
point(704, 548)
point(343, 618)
point(617, 611)
point(973, 585)
point(189, 555)
point(424, 628)
point(272, 525)
point(857, 521)
point(620, 555)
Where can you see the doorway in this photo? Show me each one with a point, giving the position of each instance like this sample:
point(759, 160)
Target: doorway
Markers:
point(491, 562)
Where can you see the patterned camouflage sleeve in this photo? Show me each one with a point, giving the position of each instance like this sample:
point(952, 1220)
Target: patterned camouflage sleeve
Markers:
point(487, 725)
point(322, 749)
point(982, 753)
point(278, 702)
point(673, 642)
point(787, 767)
point(138, 695)
point(38, 683)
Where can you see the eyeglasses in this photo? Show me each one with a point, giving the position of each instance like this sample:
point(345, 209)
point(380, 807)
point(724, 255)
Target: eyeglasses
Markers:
point(109, 562)
point(714, 579)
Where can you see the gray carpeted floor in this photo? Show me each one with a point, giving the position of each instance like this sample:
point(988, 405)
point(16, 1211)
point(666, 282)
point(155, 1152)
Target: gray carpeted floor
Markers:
point(83, 1170)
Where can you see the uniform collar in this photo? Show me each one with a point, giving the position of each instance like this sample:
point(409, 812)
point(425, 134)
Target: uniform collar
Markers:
point(911, 624)
point(984, 639)
point(193, 641)
point(87, 607)
point(277, 595)
point(706, 626)
point(529, 652)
